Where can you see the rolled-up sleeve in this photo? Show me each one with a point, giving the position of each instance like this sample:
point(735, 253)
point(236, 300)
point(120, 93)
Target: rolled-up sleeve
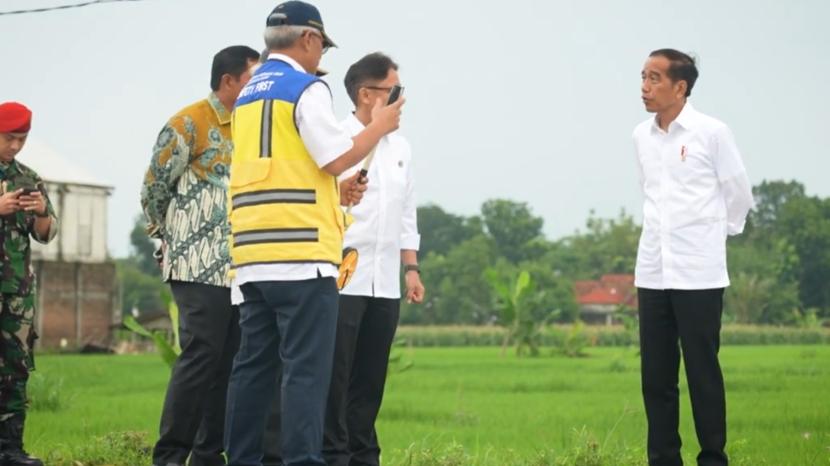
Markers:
point(53, 226)
point(410, 238)
point(733, 179)
point(171, 155)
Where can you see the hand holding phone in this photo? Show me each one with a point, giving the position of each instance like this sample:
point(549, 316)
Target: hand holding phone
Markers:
point(32, 201)
point(388, 117)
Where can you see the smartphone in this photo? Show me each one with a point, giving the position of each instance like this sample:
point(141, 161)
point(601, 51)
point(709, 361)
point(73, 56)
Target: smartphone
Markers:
point(27, 191)
point(394, 94)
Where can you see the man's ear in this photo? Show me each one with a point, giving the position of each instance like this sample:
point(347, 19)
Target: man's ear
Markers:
point(366, 97)
point(226, 80)
point(682, 87)
point(307, 40)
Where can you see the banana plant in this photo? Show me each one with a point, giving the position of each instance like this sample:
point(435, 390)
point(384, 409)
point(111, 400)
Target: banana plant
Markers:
point(513, 300)
point(168, 351)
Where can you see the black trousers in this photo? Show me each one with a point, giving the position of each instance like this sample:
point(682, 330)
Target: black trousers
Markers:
point(692, 317)
point(193, 416)
point(365, 331)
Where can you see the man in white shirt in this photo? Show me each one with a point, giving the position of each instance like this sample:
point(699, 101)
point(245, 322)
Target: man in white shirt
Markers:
point(385, 233)
point(287, 237)
point(696, 193)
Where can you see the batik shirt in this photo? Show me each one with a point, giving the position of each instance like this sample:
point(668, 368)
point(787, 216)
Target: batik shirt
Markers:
point(184, 193)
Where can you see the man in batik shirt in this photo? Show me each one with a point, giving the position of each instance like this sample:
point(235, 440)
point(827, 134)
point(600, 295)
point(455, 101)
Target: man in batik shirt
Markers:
point(184, 200)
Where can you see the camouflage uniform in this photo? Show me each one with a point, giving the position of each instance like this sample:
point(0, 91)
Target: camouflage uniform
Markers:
point(17, 288)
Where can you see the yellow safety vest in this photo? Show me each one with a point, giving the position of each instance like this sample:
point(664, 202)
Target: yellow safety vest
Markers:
point(283, 208)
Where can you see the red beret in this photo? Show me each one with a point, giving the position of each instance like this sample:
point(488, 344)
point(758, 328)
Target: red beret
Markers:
point(15, 118)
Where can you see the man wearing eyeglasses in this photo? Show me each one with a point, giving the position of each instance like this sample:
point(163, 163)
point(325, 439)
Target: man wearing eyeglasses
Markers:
point(287, 237)
point(385, 233)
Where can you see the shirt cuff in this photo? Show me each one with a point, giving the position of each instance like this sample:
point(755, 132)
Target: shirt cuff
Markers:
point(733, 228)
point(411, 242)
point(155, 230)
point(53, 231)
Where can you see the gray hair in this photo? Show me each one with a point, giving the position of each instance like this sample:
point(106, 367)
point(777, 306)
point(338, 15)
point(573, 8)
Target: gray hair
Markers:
point(283, 37)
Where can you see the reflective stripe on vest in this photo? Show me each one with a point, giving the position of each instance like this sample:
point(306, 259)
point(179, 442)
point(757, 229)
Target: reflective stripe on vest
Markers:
point(273, 196)
point(277, 235)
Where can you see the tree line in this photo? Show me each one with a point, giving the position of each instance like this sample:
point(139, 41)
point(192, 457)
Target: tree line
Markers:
point(779, 267)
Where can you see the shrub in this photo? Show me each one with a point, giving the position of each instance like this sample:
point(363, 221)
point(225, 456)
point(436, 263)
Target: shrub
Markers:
point(555, 336)
point(45, 392)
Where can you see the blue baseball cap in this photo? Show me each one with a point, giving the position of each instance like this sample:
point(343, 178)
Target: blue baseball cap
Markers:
point(297, 13)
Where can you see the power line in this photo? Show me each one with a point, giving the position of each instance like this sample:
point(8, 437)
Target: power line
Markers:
point(61, 7)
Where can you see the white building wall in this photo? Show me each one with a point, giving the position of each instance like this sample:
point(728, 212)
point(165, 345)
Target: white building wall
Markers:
point(82, 214)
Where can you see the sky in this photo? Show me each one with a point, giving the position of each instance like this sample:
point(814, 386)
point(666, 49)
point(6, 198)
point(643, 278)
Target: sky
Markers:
point(532, 101)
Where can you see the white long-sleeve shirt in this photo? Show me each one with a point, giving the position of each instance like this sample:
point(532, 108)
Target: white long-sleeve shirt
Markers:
point(385, 221)
point(696, 193)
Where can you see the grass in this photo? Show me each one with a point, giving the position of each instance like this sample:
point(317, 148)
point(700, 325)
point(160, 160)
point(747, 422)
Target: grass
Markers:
point(471, 407)
point(45, 392)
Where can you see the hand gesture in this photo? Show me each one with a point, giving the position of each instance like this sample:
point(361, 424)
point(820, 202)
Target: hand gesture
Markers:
point(414, 288)
point(352, 189)
point(10, 202)
point(388, 117)
point(33, 202)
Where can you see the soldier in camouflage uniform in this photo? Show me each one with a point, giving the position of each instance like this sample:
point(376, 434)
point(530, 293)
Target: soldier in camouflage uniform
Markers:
point(25, 211)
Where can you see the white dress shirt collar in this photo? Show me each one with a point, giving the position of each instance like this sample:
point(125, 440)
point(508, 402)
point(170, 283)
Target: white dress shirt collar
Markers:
point(686, 119)
point(294, 64)
point(353, 124)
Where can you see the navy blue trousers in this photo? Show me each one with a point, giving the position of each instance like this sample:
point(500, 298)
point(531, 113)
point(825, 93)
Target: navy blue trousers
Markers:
point(287, 326)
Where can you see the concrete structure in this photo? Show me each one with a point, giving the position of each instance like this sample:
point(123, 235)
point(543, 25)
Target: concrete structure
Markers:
point(77, 293)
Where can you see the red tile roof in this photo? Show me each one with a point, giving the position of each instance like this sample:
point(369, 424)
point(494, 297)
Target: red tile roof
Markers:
point(585, 286)
point(618, 279)
point(612, 289)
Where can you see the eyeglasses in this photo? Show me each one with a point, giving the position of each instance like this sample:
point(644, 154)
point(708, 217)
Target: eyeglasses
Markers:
point(322, 40)
point(381, 88)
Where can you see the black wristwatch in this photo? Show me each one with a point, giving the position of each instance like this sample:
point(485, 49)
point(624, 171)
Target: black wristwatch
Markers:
point(411, 268)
